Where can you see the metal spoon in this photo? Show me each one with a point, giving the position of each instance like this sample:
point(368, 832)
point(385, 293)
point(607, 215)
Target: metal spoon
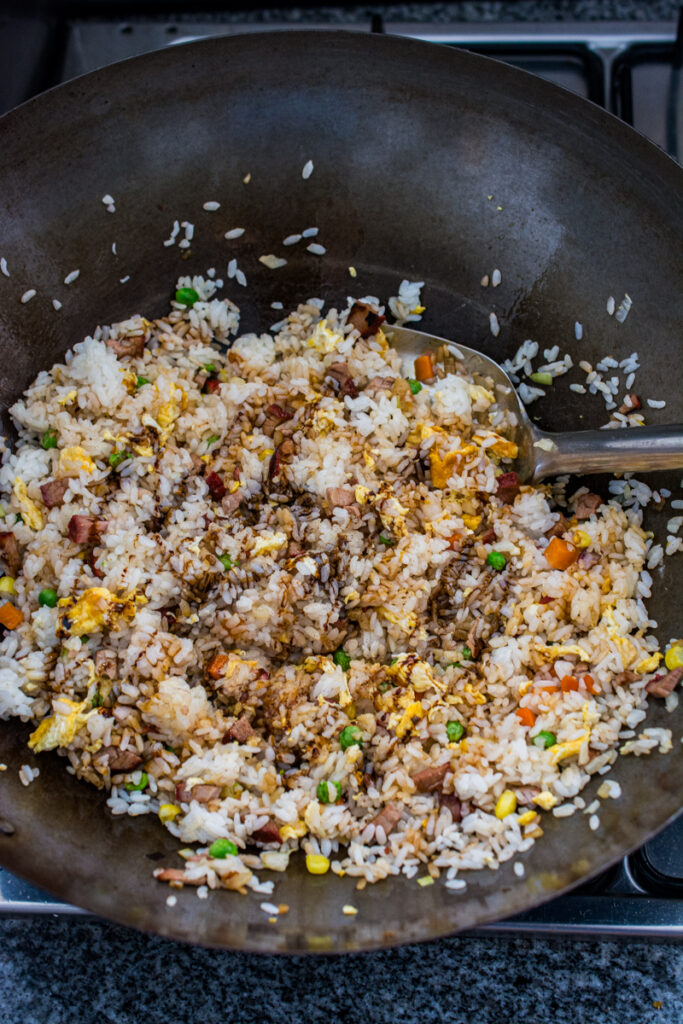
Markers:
point(542, 454)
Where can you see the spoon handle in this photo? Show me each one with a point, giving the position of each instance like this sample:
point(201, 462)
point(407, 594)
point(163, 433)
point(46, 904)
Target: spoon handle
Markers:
point(634, 449)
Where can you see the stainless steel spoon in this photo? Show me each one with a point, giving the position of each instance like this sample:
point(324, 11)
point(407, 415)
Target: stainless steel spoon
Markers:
point(636, 449)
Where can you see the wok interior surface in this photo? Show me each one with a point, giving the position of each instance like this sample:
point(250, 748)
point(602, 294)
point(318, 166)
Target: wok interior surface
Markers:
point(432, 165)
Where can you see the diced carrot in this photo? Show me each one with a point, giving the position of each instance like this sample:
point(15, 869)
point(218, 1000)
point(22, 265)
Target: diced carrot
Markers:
point(424, 368)
point(590, 684)
point(560, 554)
point(215, 667)
point(547, 689)
point(569, 683)
point(454, 541)
point(526, 716)
point(10, 617)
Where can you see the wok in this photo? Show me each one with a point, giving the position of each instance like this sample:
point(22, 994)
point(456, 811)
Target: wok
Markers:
point(430, 164)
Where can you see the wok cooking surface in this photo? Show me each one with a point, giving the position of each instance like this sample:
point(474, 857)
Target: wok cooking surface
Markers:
point(69, 861)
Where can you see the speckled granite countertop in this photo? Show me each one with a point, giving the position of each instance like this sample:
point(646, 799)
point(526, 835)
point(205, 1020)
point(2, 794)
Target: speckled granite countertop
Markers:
point(70, 971)
point(468, 10)
point(76, 972)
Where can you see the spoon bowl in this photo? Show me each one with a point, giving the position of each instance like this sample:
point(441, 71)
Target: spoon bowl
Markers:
point(543, 454)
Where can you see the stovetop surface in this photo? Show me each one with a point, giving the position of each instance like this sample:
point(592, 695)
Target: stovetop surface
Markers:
point(632, 69)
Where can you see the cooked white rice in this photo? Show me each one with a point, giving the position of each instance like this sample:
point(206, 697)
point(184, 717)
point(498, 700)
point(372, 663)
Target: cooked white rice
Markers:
point(308, 502)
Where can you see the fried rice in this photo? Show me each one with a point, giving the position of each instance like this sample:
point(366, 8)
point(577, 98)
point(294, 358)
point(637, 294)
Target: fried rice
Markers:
point(275, 593)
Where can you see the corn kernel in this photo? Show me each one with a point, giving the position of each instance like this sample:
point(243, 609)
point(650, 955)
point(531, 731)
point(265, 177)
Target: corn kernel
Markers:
point(507, 804)
point(526, 818)
point(316, 864)
point(581, 539)
point(168, 812)
point(674, 657)
point(265, 454)
point(7, 585)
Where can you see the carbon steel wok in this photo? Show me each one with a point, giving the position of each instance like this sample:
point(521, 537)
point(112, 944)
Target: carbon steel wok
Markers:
point(429, 164)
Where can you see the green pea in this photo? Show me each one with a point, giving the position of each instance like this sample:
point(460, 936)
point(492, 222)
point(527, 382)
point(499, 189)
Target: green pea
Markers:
point(221, 848)
point(328, 792)
point(116, 458)
point(415, 385)
point(497, 560)
point(47, 598)
point(544, 739)
point(49, 439)
point(141, 381)
point(209, 367)
point(350, 736)
point(187, 297)
point(341, 658)
point(226, 561)
point(137, 787)
point(455, 731)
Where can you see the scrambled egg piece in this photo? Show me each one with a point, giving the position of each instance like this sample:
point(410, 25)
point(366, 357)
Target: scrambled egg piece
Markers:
point(471, 522)
point(626, 648)
point(421, 432)
point(74, 460)
point(60, 728)
point(323, 418)
point(479, 698)
point(31, 513)
point(649, 664)
point(443, 467)
point(170, 411)
point(95, 608)
point(503, 448)
point(323, 339)
point(392, 513)
point(589, 717)
point(145, 450)
point(557, 650)
point(546, 800)
point(406, 622)
point(568, 749)
point(408, 668)
point(404, 723)
point(367, 456)
point(268, 542)
point(480, 397)
point(68, 397)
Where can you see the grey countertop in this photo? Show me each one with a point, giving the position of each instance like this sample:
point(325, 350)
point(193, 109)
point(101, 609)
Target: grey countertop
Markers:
point(74, 971)
point(56, 971)
point(467, 10)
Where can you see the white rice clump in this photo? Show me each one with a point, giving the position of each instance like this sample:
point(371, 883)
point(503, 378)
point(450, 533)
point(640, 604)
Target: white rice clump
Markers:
point(280, 621)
